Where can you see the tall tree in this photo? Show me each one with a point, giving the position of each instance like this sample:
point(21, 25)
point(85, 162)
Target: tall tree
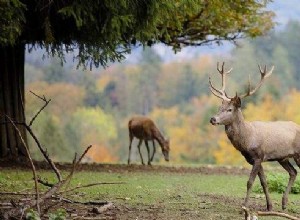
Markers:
point(145, 83)
point(103, 31)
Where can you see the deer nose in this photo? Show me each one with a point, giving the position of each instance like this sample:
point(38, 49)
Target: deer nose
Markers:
point(213, 120)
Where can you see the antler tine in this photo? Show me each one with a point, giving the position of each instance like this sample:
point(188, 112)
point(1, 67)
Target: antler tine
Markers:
point(220, 93)
point(218, 67)
point(248, 93)
point(214, 90)
point(264, 74)
point(221, 71)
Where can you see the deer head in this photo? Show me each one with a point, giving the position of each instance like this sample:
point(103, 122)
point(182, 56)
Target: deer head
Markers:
point(231, 105)
point(166, 149)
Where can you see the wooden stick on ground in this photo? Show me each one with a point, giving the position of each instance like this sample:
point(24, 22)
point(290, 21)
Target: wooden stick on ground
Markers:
point(271, 213)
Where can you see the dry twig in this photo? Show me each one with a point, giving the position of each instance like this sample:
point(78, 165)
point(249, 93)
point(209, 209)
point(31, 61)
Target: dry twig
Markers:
point(269, 213)
point(54, 191)
point(31, 163)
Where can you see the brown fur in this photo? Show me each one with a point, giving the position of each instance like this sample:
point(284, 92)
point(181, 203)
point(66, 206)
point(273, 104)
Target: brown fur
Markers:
point(144, 129)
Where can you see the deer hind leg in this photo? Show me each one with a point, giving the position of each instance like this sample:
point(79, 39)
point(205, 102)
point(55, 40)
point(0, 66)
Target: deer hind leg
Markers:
point(130, 143)
point(255, 169)
point(264, 185)
point(148, 151)
point(293, 173)
point(154, 150)
point(139, 148)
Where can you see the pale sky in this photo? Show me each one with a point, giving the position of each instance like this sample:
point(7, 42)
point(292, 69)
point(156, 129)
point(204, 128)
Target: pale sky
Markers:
point(285, 10)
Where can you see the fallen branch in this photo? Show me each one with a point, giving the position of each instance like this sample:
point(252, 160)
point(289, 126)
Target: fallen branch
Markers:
point(17, 194)
point(104, 208)
point(269, 213)
point(56, 187)
point(91, 184)
point(79, 202)
point(44, 182)
point(93, 218)
point(280, 214)
point(17, 209)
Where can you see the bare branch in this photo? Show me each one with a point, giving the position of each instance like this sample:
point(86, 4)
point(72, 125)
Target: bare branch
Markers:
point(280, 214)
point(45, 154)
point(42, 98)
point(41, 109)
point(83, 154)
point(75, 164)
point(268, 213)
point(17, 209)
point(17, 194)
point(31, 162)
point(78, 202)
point(45, 183)
point(92, 184)
point(22, 103)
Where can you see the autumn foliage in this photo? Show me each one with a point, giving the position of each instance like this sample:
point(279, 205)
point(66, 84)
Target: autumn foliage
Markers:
point(93, 107)
point(74, 124)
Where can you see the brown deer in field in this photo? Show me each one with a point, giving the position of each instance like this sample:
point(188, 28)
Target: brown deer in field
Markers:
point(144, 129)
point(258, 141)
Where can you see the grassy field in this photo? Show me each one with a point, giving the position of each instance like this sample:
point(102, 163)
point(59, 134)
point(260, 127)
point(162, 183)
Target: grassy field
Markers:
point(159, 195)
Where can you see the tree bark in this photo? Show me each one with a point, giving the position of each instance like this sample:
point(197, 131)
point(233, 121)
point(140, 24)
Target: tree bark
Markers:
point(12, 59)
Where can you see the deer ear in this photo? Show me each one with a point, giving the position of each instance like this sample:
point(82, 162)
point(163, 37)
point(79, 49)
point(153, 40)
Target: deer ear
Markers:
point(237, 101)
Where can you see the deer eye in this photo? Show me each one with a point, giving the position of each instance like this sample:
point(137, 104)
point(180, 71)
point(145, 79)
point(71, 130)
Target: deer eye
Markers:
point(229, 110)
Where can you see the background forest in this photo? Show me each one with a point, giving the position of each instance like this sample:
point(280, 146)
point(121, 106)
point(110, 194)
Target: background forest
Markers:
point(93, 107)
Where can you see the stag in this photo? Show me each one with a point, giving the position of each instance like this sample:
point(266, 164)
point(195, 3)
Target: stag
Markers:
point(258, 141)
point(144, 129)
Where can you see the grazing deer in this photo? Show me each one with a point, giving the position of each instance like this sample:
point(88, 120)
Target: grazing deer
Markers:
point(258, 141)
point(144, 129)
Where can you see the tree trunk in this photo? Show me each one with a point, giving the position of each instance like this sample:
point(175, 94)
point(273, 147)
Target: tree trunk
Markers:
point(12, 59)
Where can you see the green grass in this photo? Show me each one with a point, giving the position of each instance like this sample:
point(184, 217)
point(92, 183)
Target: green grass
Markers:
point(198, 196)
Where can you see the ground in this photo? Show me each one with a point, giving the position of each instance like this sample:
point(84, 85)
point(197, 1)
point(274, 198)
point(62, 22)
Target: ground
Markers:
point(151, 192)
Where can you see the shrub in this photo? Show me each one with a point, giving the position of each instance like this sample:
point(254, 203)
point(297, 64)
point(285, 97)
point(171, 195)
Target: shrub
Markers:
point(277, 183)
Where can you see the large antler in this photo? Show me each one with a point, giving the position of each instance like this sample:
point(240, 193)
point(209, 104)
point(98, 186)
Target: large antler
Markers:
point(220, 93)
point(264, 74)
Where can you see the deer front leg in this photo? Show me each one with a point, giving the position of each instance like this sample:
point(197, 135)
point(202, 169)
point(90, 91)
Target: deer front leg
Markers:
point(130, 143)
point(293, 173)
point(264, 185)
point(154, 150)
point(255, 169)
point(148, 151)
point(139, 148)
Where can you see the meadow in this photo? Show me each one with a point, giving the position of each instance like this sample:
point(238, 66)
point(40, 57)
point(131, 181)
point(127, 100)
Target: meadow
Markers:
point(156, 192)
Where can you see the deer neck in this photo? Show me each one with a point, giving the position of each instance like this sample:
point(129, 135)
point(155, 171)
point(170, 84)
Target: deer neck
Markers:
point(237, 132)
point(159, 137)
